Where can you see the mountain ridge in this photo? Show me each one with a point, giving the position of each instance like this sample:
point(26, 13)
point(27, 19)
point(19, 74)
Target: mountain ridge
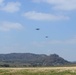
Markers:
point(31, 59)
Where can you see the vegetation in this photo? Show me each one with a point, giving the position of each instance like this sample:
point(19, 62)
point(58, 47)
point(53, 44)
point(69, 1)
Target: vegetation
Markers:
point(38, 71)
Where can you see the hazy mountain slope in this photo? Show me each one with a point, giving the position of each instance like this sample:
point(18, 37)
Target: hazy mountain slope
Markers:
point(33, 59)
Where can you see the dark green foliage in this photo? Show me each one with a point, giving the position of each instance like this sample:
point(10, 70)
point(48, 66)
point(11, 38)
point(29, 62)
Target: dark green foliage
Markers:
point(5, 65)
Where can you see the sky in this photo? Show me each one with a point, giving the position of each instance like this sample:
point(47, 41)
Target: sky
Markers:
point(54, 18)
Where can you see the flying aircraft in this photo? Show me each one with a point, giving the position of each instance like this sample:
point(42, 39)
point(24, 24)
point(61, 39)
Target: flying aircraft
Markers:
point(46, 36)
point(37, 28)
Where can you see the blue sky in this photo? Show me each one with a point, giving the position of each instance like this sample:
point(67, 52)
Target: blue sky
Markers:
point(55, 18)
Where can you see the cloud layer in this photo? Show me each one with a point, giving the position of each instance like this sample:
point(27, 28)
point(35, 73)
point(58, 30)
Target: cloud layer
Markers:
point(71, 41)
point(43, 16)
point(7, 26)
point(1, 1)
point(10, 6)
point(60, 4)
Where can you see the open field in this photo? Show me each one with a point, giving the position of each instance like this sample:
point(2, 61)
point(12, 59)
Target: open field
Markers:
point(39, 71)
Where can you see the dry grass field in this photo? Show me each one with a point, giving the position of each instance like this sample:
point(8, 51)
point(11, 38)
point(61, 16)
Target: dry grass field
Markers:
point(39, 71)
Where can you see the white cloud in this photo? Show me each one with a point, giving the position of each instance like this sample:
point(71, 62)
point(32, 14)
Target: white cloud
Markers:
point(10, 6)
point(1, 1)
point(60, 4)
point(43, 16)
point(71, 41)
point(7, 26)
point(68, 41)
point(65, 42)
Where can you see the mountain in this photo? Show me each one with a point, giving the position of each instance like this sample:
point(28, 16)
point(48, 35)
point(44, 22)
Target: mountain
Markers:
point(30, 59)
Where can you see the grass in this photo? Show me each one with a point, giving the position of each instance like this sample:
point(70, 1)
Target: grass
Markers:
point(39, 71)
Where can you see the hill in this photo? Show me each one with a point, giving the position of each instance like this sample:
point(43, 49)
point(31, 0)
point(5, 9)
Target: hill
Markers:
point(30, 59)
